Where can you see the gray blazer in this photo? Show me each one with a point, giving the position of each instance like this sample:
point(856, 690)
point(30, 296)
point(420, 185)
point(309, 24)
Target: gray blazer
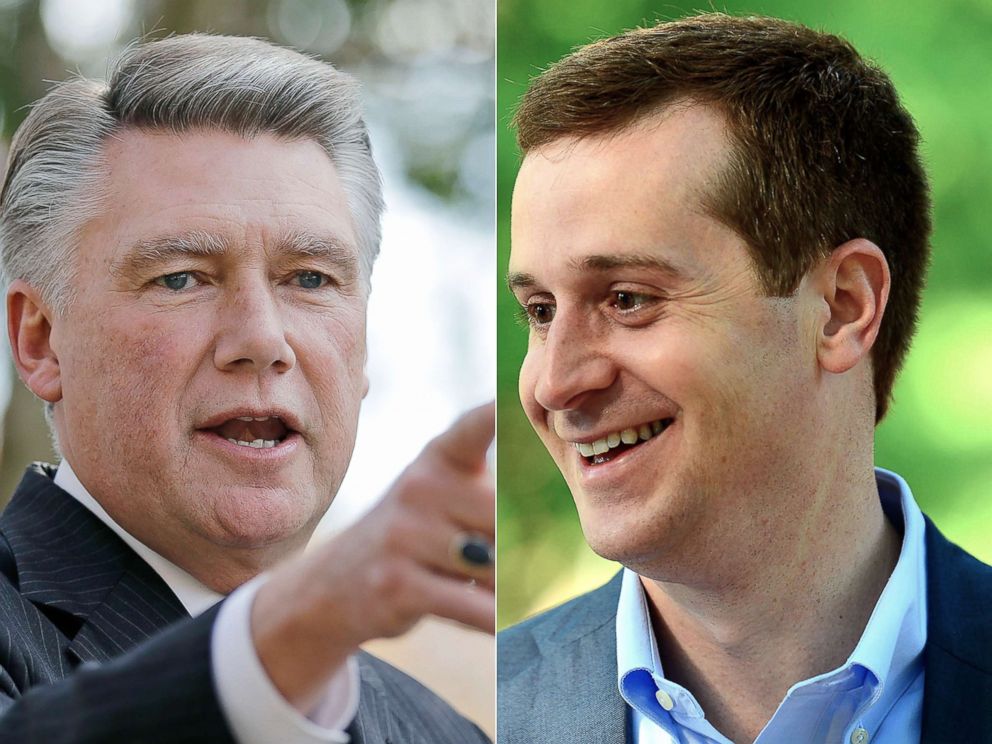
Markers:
point(95, 648)
point(558, 671)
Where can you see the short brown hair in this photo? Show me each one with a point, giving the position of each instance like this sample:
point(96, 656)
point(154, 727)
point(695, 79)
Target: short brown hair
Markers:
point(823, 150)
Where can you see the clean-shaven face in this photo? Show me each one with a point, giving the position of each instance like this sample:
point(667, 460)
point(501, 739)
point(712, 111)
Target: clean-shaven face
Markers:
point(666, 386)
point(212, 363)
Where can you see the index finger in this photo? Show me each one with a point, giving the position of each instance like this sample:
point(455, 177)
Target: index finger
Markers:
point(465, 442)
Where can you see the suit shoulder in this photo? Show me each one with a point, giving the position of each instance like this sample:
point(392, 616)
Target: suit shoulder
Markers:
point(959, 592)
point(956, 576)
point(952, 558)
point(31, 645)
point(418, 708)
point(519, 644)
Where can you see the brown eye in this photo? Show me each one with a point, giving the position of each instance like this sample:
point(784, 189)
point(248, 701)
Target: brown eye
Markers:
point(625, 301)
point(540, 313)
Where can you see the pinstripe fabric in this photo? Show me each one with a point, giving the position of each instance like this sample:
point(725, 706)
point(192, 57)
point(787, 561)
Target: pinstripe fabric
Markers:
point(73, 599)
point(396, 709)
point(95, 648)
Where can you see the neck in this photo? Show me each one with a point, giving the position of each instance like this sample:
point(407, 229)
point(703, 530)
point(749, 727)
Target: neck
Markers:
point(221, 566)
point(225, 572)
point(773, 614)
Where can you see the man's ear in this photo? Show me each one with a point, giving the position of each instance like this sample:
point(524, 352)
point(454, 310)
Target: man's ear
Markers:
point(854, 282)
point(30, 330)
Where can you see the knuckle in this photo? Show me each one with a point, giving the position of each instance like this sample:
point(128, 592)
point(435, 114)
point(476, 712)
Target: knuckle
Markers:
point(386, 578)
point(398, 537)
point(415, 485)
point(403, 607)
point(487, 495)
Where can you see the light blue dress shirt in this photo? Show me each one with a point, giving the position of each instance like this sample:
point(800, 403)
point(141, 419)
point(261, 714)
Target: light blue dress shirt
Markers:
point(876, 697)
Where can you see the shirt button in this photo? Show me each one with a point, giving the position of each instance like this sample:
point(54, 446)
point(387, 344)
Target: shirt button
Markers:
point(859, 736)
point(666, 702)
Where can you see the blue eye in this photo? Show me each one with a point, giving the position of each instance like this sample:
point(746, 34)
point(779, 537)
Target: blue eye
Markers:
point(176, 282)
point(311, 279)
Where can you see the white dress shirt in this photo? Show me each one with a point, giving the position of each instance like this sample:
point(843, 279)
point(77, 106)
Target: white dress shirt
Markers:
point(255, 711)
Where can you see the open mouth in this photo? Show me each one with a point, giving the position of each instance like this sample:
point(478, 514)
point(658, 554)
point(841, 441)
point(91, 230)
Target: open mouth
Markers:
point(616, 443)
point(260, 432)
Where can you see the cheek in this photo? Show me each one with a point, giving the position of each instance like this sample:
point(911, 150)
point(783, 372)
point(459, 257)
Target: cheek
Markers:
point(756, 381)
point(133, 378)
point(156, 363)
point(333, 352)
point(710, 375)
point(682, 363)
point(784, 370)
point(132, 357)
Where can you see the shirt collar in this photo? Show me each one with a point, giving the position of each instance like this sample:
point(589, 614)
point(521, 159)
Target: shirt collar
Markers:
point(889, 647)
point(897, 629)
point(193, 595)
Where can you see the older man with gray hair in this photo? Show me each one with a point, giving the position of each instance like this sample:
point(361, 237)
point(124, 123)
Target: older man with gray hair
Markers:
point(188, 251)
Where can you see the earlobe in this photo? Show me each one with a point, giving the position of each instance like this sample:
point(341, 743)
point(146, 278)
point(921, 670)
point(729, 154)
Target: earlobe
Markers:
point(855, 282)
point(29, 329)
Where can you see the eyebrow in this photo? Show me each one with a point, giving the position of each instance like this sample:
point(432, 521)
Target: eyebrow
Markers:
point(601, 263)
point(519, 280)
point(200, 244)
point(342, 255)
point(150, 251)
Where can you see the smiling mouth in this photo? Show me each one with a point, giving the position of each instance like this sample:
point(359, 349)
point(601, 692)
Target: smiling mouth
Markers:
point(259, 432)
point(616, 443)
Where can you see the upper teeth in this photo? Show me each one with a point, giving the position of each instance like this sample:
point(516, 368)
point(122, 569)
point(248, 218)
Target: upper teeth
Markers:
point(254, 418)
point(258, 443)
point(627, 436)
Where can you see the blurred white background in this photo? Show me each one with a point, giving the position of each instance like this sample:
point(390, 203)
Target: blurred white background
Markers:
point(428, 72)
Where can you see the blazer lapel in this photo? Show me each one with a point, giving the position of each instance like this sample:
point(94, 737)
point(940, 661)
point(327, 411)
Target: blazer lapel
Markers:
point(135, 608)
point(957, 697)
point(93, 585)
point(597, 714)
point(572, 685)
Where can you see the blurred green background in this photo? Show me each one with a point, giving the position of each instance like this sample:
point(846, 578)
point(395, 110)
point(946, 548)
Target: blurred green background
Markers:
point(938, 434)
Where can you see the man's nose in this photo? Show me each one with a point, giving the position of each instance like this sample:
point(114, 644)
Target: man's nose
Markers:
point(253, 331)
point(572, 364)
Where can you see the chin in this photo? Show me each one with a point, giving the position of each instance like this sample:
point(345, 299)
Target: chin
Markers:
point(616, 541)
point(645, 540)
point(265, 518)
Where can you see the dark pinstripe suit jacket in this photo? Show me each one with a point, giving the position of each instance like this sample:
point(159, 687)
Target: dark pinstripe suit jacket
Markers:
point(94, 647)
point(558, 670)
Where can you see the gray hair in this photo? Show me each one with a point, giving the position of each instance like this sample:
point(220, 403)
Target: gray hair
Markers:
point(54, 176)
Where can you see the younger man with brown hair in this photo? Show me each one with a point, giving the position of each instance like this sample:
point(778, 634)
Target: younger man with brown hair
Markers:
point(720, 235)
